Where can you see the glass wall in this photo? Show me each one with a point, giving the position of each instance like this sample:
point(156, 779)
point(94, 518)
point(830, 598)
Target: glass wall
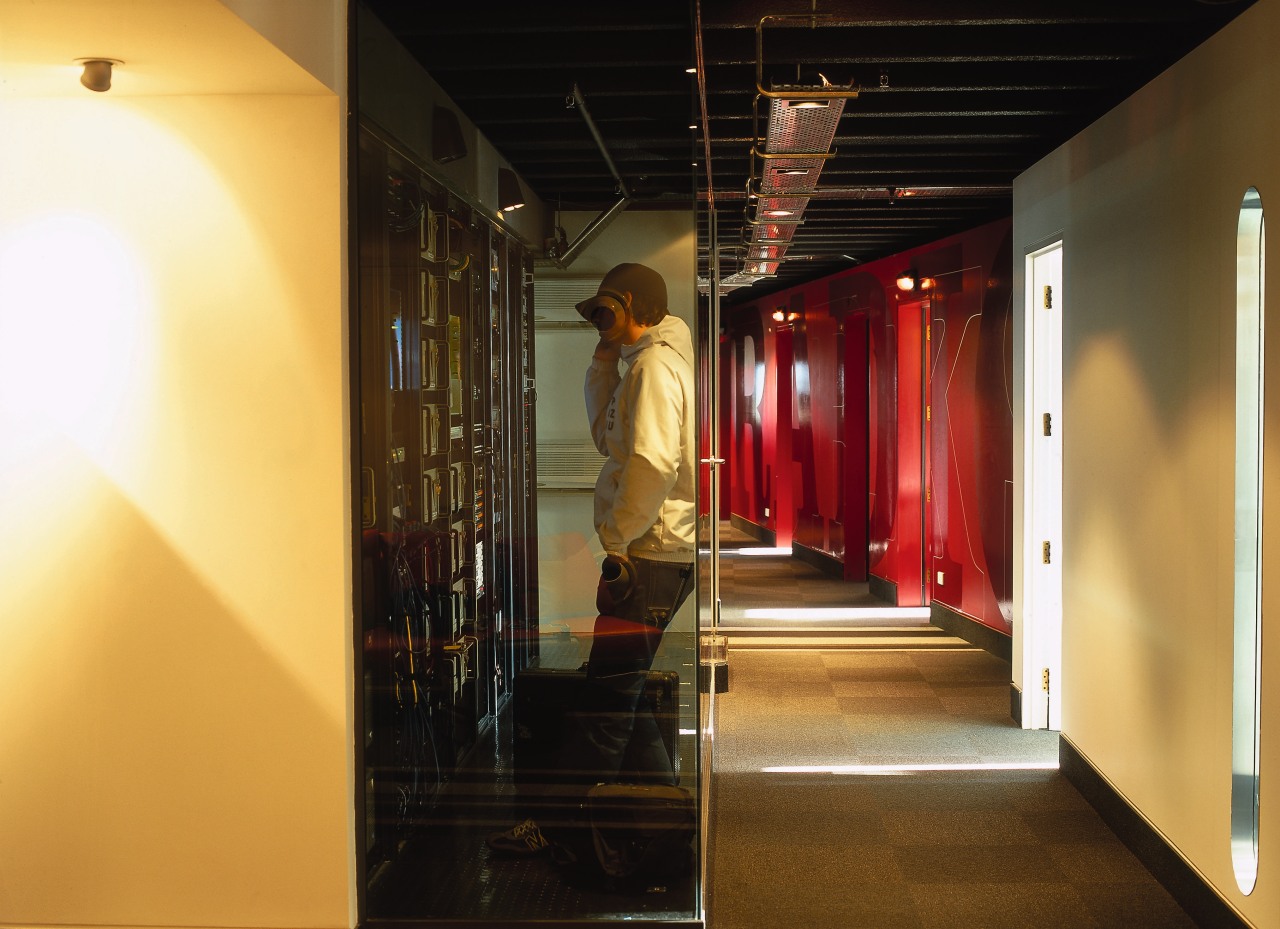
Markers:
point(529, 744)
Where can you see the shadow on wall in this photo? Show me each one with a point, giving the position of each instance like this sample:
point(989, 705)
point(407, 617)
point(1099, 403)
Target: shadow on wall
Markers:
point(153, 748)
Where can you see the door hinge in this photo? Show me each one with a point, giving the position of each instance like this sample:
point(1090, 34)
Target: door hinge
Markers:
point(1048, 424)
point(928, 413)
point(1048, 297)
point(1044, 680)
point(928, 333)
point(1045, 553)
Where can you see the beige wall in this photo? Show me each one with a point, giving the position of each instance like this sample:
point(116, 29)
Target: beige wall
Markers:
point(1146, 201)
point(175, 632)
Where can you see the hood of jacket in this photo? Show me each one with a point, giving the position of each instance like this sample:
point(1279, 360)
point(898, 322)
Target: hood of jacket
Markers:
point(672, 331)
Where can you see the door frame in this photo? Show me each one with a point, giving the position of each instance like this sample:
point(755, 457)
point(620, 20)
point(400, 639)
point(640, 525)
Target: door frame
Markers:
point(1037, 645)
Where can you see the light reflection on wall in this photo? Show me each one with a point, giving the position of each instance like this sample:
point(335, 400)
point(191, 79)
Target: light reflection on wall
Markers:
point(173, 605)
point(73, 337)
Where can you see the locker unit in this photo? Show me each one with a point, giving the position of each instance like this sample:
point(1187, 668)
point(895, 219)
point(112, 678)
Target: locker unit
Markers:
point(447, 605)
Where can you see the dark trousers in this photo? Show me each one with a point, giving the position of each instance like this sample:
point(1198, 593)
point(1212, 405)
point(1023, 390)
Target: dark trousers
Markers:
point(614, 730)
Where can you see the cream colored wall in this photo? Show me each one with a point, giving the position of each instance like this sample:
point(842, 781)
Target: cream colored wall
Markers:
point(175, 631)
point(1147, 203)
point(311, 33)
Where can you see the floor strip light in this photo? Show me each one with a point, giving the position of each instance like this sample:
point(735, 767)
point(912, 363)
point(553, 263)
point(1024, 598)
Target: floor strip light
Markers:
point(892, 769)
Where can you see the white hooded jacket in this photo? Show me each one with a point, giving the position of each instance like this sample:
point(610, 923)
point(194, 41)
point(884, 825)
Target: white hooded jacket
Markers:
point(644, 421)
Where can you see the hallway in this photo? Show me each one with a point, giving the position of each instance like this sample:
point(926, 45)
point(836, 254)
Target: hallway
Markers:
point(876, 780)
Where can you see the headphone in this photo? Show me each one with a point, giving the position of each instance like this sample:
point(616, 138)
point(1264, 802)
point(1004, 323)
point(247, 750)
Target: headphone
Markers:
point(603, 310)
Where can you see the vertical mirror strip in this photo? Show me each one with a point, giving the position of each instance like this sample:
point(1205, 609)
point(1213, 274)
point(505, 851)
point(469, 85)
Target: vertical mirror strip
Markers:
point(1246, 685)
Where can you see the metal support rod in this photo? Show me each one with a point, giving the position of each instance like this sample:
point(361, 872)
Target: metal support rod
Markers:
point(601, 222)
point(581, 104)
point(713, 389)
point(835, 92)
point(589, 234)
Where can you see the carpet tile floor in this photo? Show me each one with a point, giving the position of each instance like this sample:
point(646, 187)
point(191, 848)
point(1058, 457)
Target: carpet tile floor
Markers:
point(865, 786)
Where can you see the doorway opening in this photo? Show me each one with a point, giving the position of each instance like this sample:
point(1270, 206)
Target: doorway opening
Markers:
point(1043, 547)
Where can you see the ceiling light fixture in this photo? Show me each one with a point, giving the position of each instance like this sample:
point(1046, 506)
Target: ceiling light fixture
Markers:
point(510, 196)
point(97, 73)
point(447, 143)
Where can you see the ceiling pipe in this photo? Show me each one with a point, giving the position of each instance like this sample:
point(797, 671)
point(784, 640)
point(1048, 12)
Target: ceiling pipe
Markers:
point(581, 106)
point(588, 235)
point(562, 259)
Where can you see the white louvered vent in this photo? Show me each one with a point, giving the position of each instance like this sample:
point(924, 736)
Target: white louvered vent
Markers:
point(569, 465)
point(554, 298)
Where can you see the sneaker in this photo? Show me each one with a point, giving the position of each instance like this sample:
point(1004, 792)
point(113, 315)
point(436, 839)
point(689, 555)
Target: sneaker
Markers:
point(524, 839)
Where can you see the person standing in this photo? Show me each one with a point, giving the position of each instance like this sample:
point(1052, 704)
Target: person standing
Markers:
point(643, 420)
point(642, 410)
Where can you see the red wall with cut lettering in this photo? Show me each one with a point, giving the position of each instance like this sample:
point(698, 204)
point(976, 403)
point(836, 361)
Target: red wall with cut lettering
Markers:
point(876, 427)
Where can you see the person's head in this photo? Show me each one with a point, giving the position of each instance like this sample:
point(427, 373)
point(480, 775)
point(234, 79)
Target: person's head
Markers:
point(630, 298)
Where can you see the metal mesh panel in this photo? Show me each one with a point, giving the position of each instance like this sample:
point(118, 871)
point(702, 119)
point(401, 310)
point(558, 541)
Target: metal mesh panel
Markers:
point(790, 176)
point(767, 207)
point(802, 126)
point(806, 129)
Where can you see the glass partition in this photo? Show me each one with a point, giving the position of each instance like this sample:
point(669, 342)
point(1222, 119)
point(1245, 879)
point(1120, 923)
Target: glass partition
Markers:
point(1246, 686)
point(529, 742)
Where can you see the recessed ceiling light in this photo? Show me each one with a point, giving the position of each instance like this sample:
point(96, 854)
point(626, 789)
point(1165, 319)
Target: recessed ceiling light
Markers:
point(97, 72)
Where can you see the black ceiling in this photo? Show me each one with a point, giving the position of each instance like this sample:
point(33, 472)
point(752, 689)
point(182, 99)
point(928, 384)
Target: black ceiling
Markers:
point(957, 97)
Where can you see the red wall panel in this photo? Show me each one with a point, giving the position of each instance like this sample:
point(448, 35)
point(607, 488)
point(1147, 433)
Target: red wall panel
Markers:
point(855, 439)
point(884, 434)
point(903, 561)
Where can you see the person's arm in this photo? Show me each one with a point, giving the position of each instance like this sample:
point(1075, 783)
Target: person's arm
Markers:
point(602, 380)
point(656, 401)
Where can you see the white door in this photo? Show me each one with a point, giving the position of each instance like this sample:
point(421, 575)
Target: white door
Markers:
point(1042, 557)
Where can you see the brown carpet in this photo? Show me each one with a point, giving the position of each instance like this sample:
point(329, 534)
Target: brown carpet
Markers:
point(827, 814)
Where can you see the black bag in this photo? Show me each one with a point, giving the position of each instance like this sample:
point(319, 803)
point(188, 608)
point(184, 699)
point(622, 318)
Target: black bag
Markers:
point(542, 700)
point(630, 834)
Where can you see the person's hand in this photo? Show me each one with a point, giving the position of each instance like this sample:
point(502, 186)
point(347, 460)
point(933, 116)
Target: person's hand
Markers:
point(608, 350)
point(619, 576)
